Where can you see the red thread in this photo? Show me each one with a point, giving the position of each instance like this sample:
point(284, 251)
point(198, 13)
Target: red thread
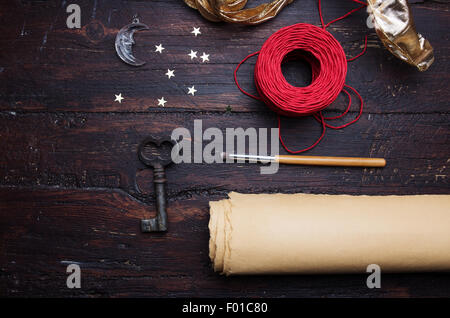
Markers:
point(329, 68)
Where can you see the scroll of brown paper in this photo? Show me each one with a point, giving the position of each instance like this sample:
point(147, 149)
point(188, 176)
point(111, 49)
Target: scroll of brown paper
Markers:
point(309, 234)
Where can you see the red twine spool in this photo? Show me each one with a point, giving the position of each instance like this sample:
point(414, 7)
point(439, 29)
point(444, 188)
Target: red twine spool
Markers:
point(329, 69)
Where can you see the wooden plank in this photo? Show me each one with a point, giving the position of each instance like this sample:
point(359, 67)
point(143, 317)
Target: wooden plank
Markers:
point(99, 230)
point(48, 67)
point(98, 150)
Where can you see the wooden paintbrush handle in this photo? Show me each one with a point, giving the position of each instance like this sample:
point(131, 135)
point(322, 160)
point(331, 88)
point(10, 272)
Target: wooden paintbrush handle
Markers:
point(331, 161)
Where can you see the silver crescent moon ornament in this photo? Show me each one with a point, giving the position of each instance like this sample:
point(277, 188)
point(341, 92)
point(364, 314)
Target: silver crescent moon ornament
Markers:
point(125, 41)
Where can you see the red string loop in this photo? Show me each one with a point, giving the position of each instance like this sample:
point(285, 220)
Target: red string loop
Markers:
point(329, 69)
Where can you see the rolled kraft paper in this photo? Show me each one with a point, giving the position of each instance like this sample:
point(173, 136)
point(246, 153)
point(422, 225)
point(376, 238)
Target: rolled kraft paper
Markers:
point(307, 233)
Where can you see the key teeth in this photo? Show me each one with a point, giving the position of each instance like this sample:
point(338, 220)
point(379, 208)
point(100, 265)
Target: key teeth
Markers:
point(152, 225)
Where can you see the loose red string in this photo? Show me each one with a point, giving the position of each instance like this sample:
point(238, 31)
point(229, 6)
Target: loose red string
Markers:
point(329, 68)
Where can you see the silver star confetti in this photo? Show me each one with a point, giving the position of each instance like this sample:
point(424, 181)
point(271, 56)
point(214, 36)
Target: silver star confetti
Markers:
point(170, 73)
point(193, 54)
point(204, 57)
point(159, 48)
point(119, 98)
point(196, 31)
point(192, 90)
point(161, 101)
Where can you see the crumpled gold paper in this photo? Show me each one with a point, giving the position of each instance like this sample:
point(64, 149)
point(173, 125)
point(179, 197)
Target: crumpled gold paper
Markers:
point(395, 27)
point(233, 10)
point(392, 19)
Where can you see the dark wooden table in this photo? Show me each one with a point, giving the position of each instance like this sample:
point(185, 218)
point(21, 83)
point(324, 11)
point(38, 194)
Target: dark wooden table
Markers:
point(69, 169)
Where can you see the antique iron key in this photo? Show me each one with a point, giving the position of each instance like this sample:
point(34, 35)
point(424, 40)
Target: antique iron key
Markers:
point(151, 154)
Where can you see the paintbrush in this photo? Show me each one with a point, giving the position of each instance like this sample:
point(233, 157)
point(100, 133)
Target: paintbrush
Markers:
point(309, 160)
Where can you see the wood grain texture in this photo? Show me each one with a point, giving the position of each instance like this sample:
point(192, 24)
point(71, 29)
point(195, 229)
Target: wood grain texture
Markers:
point(71, 186)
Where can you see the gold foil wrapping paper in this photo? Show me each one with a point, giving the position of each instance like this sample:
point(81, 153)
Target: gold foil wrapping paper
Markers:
point(233, 10)
point(394, 25)
point(392, 20)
